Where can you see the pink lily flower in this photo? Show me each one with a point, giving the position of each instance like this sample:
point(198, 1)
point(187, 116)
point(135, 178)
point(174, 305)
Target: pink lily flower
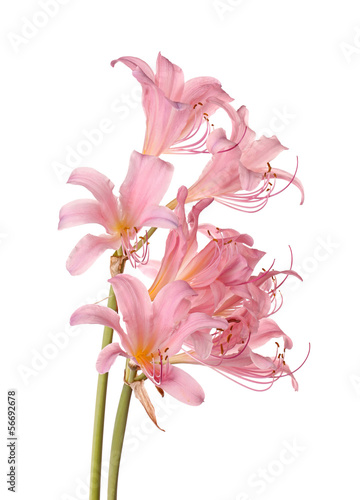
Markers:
point(155, 331)
point(230, 352)
point(232, 356)
point(222, 276)
point(122, 216)
point(175, 110)
point(227, 259)
point(239, 174)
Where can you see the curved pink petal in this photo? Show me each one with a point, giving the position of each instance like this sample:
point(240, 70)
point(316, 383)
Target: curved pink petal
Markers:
point(133, 63)
point(261, 152)
point(200, 92)
point(169, 78)
point(262, 362)
point(233, 115)
point(88, 249)
point(268, 330)
point(170, 264)
point(294, 382)
point(80, 212)
point(183, 387)
point(102, 189)
point(146, 182)
point(107, 357)
point(203, 268)
point(155, 216)
point(282, 174)
point(165, 119)
point(170, 306)
point(165, 116)
point(194, 322)
point(202, 88)
point(236, 271)
point(151, 269)
point(202, 344)
point(244, 135)
point(93, 314)
point(136, 309)
point(221, 174)
point(193, 219)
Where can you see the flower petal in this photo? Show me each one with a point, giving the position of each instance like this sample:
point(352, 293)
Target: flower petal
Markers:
point(282, 174)
point(244, 134)
point(93, 314)
point(107, 357)
point(146, 182)
point(260, 152)
point(101, 187)
point(262, 362)
point(165, 119)
point(268, 330)
point(80, 212)
point(202, 343)
point(88, 249)
point(170, 306)
point(135, 306)
point(133, 63)
point(194, 322)
point(169, 78)
point(182, 387)
point(173, 256)
point(155, 216)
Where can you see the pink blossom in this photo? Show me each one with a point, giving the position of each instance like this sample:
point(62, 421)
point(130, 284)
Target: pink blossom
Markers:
point(232, 355)
point(175, 110)
point(239, 174)
point(247, 308)
point(122, 216)
point(222, 274)
point(227, 259)
point(155, 331)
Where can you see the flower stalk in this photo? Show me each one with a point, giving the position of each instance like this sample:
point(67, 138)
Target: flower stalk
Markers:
point(97, 444)
point(96, 456)
point(119, 432)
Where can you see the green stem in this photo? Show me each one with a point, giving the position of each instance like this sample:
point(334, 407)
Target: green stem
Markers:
point(119, 432)
point(97, 444)
point(96, 457)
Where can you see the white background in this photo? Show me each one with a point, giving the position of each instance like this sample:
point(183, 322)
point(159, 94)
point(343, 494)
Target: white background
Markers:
point(296, 66)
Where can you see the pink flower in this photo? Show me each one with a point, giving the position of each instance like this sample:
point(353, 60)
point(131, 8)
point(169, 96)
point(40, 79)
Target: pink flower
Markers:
point(222, 275)
point(227, 259)
point(175, 110)
point(155, 331)
point(239, 174)
point(232, 355)
point(247, 308)
point(146, 182)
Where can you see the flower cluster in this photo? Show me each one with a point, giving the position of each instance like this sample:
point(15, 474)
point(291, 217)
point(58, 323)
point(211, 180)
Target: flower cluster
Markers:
point(207, 305)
